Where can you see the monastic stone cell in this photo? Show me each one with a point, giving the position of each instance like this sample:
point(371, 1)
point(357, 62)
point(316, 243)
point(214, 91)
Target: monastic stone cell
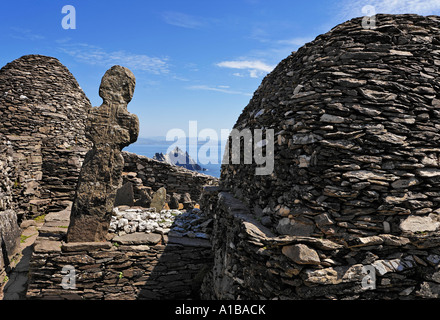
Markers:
point(356, 120)
point(351, 209)
point(43, 110)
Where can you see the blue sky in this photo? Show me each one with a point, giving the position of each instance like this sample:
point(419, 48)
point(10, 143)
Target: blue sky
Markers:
point(193, 60)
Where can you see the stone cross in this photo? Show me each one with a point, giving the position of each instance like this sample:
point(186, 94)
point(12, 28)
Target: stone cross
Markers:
point(111, 128)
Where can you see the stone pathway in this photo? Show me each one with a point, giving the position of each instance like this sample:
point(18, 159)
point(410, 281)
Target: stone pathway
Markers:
point(54, 224)
point(16, 285)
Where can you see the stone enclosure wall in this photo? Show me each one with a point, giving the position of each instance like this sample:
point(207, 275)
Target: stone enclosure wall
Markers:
point(9, 229)
point(251, 262)
point(148, 175)
point(131, 266)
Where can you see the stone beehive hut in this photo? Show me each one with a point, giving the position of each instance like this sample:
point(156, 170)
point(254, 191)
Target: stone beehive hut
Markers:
point(356, 118)
point(42, 110)
point(356, 179)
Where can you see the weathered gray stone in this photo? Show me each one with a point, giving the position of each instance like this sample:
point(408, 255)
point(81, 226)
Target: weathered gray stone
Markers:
point(392, 240)
point(85, 246)
point(419, 224)
point(429, 290)
point(404, 183)
point(189, 242)
point(331, 118)
point(296, 227)
point(159, 199)
point(111, 128)
point(428, 172)
point(138, 238)
point(174, 201)
point(365, 175)
point(124, 195)
point(45, 246)
point(302, 139)
point(9, 235)
point(336, 275)
point(366, 241)
point(301, 254)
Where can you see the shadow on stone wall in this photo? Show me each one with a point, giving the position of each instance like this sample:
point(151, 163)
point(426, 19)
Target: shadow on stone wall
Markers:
point(179, 270)
point(168, 262)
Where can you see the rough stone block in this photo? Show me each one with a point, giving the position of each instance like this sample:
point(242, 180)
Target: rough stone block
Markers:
point(125, 195)
point(301, 254)
point(138, 238)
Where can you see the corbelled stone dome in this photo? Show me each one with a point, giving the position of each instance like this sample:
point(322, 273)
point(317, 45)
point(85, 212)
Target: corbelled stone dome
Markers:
point(42, 111)
point(356, 119)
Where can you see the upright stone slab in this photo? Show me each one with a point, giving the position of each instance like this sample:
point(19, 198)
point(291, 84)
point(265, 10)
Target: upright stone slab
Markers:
point(111, 128)
point(125, 196)
point(159, 199)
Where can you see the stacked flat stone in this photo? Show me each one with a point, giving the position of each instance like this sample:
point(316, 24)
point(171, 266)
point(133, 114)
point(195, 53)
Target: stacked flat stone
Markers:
point(356, 119)
point(42, 111)
point(132, 266)
point(155, 174)
point(355, 191)
point(9, 229)
point(177, 223)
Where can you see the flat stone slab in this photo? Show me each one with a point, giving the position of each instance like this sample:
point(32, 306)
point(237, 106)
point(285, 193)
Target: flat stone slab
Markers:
point(138, 238)
point(190, 242)
point(63, 215)
point(57, 223)
point(419, 224)
point(47, 246)
point(124, 195)
point(85, 246)
point(52, 230)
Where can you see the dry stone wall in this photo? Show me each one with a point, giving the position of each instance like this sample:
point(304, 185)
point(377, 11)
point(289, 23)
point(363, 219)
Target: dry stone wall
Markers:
point(43, 110)
point(9, 229)
point(251, 262)
point(149, 174)
point(355, 190)
point(133, 266)
point(356, 120)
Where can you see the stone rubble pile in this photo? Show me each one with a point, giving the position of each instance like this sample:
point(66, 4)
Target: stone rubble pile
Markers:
point(176, 223)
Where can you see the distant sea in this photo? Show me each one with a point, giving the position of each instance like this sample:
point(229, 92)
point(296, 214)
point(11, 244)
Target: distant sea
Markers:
point(148, 150)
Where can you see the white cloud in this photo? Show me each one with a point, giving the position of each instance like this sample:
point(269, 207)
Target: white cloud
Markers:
point(246, 64)
point(95, 55)
point(182, 20)
point(296, 41)
point(25, 34)
point(223, 89)
point(353, 8)
point(255, 68)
